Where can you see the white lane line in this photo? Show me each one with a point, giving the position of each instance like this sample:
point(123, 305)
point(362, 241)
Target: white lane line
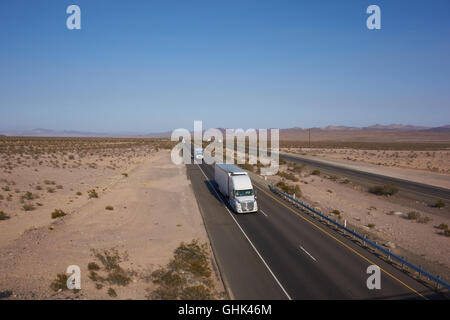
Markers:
point(263, 212)
point(248, 239)
point(304, 250)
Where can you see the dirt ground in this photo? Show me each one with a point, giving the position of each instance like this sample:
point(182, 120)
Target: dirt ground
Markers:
point(145, 209)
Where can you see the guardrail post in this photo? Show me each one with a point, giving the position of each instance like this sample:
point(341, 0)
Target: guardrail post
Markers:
point(389, 255)
point(437, 283)
point(364, 241)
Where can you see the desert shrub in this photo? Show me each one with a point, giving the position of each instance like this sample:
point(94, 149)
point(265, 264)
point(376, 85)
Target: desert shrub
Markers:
point(115, 274)
point(60, 283)
point(3, 216)
point(186, 276)
point(288, 176)
point(371, 225)
point(346, 181)
point(78, 193)
point(439, 204)
point(93, 266)
point(38, 188)
point(413, 215)
point(384, 190)
point(295, 167)
point(109, 208)
point(92, 194)
point(29, 196)
point(336, 212)
point(281, 161)
point(423, 219)
point(112, 293)
point(447, 233)
point(50, 190)
point(28, 207)
point(282, 185)
point(443, 226)
point(111, 259)
point(315, 172)
point(58, 213)
point(286, 188)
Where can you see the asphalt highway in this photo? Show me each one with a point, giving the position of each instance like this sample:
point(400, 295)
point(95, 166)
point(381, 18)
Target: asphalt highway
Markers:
point(282, 253)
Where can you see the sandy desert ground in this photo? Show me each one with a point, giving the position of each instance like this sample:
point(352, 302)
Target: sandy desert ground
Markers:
point(145, 208)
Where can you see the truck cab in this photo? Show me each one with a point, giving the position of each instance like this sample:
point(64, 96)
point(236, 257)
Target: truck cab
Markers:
point(242, 195)
point(235, 184)
point(198, 154)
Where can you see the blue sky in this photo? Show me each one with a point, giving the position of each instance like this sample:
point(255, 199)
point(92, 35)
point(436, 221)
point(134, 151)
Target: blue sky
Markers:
point(149, 66)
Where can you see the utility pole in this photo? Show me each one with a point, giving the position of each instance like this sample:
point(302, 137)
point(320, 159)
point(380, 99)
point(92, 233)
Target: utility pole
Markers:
point(309, 131)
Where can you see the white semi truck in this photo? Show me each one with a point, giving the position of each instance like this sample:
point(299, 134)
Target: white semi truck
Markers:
point(198, 154)
point(235, 184)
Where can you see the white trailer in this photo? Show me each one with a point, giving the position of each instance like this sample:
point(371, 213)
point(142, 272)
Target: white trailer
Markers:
point(235, 184)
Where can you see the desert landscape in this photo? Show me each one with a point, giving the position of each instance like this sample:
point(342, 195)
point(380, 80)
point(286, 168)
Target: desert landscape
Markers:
point(117, 208)
point(126, 215)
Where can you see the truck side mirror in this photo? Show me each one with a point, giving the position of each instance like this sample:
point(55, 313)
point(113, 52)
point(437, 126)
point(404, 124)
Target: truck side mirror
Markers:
point(256, 194)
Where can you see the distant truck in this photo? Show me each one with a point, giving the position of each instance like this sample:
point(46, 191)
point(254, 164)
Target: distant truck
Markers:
point(198, 154)
point(235, 184)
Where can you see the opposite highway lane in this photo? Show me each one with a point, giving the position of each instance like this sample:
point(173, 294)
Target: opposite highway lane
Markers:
point(281, 253)
point(407, 189)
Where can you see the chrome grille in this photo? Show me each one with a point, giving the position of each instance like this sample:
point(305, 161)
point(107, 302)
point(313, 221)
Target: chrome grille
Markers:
point(247, 206)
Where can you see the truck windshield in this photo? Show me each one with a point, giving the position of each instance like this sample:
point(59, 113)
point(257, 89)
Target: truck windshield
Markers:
point(243, 193)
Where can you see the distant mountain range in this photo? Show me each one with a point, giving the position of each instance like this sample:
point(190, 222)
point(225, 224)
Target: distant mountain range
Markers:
point(378, 128)
point(64, 133)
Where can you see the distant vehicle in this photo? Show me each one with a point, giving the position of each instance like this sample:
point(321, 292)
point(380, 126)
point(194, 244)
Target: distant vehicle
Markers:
point(198, 154)
point(235, 184)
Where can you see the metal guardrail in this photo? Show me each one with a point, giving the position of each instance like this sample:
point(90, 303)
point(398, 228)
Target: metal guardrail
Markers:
point(439, 282)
